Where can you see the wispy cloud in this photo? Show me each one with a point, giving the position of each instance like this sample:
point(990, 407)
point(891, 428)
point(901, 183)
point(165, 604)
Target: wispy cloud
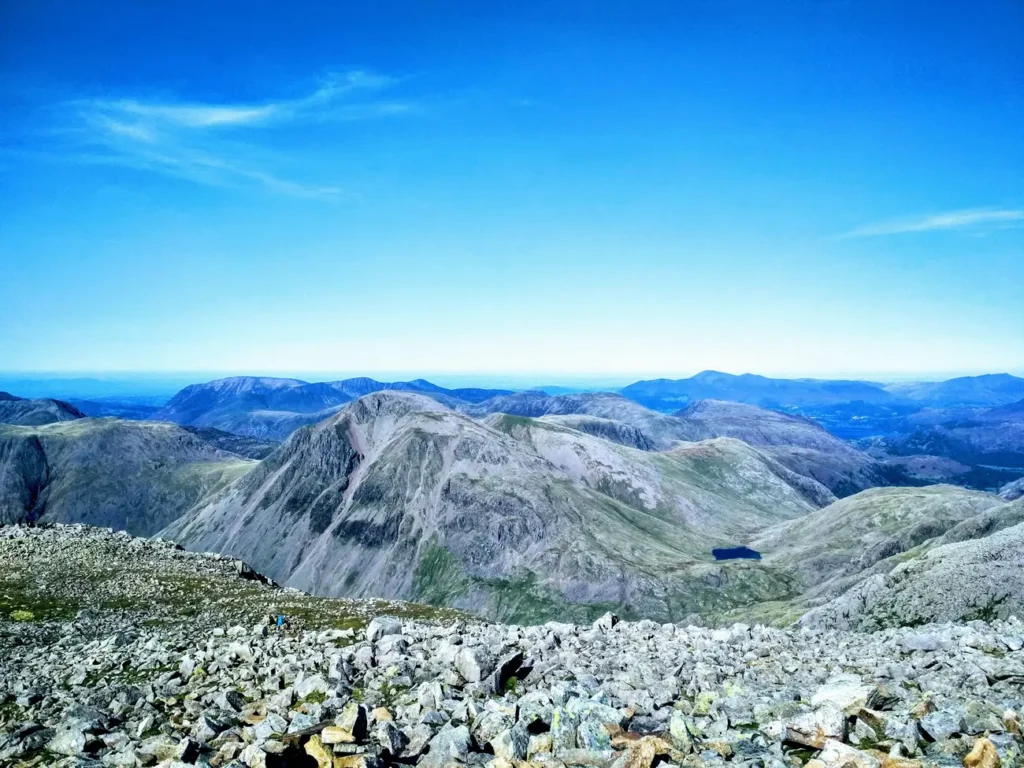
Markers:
point(218, 144)
point(962, 219)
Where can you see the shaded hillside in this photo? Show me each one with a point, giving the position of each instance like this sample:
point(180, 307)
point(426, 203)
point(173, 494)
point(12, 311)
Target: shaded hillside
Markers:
point(673, 394)
point(606, 429)
point(246, 447)
point(19, 410)
point(139, 408)
point(796, 442)
point(399, 496)
point(131, 475)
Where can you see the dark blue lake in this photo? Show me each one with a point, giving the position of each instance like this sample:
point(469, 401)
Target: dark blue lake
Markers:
point(736, 553)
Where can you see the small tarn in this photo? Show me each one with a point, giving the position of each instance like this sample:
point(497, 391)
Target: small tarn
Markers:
point(736, 553)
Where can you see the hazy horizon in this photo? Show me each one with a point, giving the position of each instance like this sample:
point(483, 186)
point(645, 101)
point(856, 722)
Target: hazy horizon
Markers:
point(504, 379)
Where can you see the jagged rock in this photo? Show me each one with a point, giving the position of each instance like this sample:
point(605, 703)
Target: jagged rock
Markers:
point(68, 739)
point(681, 729)
point(511, 744)
point(187, 750)
point(315, 748)
point(942, 724)
point(451, 744)
point(472, 664)
point(390, 738)
point(381, 626)
point(813, 729)
point(835, 754)
point(353, 721)
point(847, 692)
point(314, 684)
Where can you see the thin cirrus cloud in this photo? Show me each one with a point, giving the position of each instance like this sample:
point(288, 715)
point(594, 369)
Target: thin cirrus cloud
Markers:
point(218, 144)
point(974, 218)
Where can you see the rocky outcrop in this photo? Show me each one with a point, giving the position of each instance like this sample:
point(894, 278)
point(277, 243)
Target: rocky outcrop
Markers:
point(399, 496)
point(347, 685)
point(965, 579)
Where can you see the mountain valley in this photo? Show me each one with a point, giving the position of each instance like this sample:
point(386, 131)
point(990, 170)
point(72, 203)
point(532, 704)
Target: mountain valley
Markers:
point(524, 505)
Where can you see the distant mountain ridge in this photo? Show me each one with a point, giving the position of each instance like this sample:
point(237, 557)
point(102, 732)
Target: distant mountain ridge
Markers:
point(35, 412)
point(672, 394)
point(271, 408)
point(987, 390)
point(799, 443)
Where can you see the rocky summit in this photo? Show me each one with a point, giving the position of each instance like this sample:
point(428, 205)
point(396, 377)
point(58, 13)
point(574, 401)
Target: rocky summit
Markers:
point(173, 660)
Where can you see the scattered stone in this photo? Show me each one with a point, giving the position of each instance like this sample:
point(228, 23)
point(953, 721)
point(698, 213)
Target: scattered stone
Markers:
point(116, 690)
point(982, 755)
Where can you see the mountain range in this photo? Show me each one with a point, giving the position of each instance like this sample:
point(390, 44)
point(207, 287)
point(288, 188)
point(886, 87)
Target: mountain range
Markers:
point(530, 505)
point(272, 408)
point(525, 518)
point(670, 394)
point(400, 496)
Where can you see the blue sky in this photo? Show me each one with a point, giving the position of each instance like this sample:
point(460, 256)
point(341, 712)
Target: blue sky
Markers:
point(811, 188)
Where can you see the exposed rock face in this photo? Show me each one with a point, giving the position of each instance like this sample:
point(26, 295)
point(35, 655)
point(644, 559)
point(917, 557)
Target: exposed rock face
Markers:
point(18, 410)
point(661, 480)
point(132, 475)
point(798, 443)
point(980, 578)
point(399, 496)
point(109, 687)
